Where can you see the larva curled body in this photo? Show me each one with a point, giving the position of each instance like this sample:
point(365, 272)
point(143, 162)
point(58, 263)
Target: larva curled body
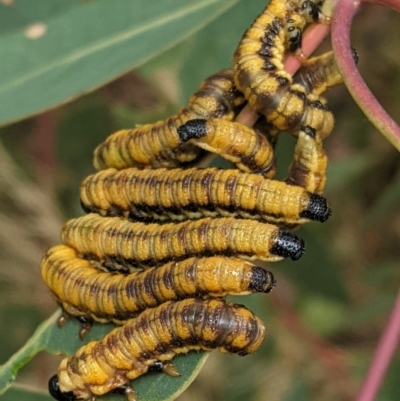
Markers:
point(310, 162)
point(119, 241)
point(320, 73)
point(195, 193)
point(259, 73)
point(249, 150)
point(156, 335)
point(84, 291)
point(159, 145)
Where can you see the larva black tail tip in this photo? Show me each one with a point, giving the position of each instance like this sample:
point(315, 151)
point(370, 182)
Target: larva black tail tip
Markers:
point(262, 280)
point(288, 245)
point(55, 392)
point(317, 209)
point(193, 129)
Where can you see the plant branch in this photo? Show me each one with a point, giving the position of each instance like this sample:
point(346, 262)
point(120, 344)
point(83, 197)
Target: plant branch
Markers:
point(383, 354)
point(342, 19)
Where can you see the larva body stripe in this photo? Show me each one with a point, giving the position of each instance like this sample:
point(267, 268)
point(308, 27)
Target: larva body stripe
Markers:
point(259, 72)
point(235, 142)
point(158, 145)
point(309, 164)
point(121, 241)
point(318, 74)
point(194, 193)
point(84, 291)
point(156, 335)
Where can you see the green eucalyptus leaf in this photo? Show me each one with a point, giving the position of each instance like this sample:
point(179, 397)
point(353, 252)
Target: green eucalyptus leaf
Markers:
point(80, 48)
point(24, 395)
point(48, 337)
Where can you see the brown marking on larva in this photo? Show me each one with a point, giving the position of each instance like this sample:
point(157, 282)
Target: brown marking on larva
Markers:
point(158, 145)
point(189, 316)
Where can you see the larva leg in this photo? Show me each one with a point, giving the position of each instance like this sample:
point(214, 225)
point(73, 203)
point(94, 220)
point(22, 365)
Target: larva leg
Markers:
point(307, 11)
point(86, 326)
point(127, 391)
point(64, 317)
point(235, 142)
point(165, 367)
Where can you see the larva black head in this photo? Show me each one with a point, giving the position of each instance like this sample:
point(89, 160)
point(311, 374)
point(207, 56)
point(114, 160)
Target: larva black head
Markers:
point(55, 392)
point(193, 129)
point(262, 280)
point(317, 209)
point(288, 245)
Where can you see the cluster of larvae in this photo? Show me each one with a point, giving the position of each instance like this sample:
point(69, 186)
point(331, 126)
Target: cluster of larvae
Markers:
point(162, 244)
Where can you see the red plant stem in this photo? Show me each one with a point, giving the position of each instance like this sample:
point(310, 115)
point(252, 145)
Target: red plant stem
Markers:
point(344, 13)
point(383, 354)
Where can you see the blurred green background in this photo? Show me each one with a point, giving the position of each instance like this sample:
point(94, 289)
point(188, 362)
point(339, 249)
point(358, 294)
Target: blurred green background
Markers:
point(326, 315)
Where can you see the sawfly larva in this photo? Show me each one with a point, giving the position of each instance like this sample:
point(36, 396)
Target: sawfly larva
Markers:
point(195, 193)
point(123, 244)
point(82, 290)
point(320, 73)
point(308, 168)
point(259, 72)
point(248, 150)
point(159, 145)
point(154, 338)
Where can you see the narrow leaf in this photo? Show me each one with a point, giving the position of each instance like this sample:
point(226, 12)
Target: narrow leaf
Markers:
point(48, 337)
point(64, 55)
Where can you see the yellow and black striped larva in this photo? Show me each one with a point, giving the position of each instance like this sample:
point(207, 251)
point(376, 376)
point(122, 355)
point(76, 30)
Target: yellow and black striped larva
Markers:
point(308, 169)
point(159, 145)
point(151, 340)
point(195, 193)
point(124, 244)
point(310, 162)
point(247, 149)
point(320, 73)
point(259, 71)
point(84, 291)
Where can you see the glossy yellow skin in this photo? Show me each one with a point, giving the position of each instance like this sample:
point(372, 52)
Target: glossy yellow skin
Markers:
point(192, 194)
point(241, 145)
point(83, 290)
point(309, 164)
point(158, 145)
point(119, 240)
point(259, 72)
point(318, 74)
point(155, 335)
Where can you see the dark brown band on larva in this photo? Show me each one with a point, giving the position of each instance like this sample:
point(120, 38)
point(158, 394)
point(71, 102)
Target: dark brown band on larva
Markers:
point(122, 242)
point(83, 290)
point(195, 193)
point(320, 73)
point(158, 144)
point(158, 335)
